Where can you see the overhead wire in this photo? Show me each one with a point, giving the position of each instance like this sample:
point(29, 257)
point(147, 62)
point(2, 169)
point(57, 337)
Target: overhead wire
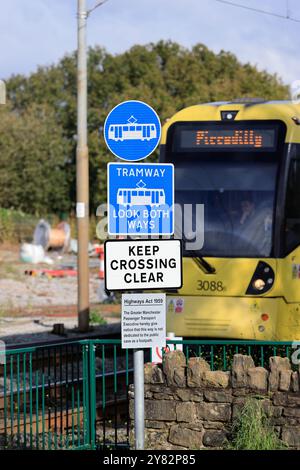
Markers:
point(258, 10)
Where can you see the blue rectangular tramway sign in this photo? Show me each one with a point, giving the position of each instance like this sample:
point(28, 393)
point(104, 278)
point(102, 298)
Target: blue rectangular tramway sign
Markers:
point(140, 199)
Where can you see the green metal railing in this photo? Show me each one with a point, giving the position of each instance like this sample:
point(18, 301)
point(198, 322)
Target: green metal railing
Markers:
point(75, 395)
point(43, 401)
point(219, 353)
point(109, 386)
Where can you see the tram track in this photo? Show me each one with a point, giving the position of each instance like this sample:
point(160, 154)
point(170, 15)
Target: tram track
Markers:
point(113, 332)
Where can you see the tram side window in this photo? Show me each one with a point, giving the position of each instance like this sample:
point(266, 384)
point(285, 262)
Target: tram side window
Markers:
point(292, 225)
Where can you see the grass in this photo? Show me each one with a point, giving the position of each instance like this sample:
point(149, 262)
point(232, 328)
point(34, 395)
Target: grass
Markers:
point(9, 271)
point(252, 429)
point(3, 312)
point(16, 226)
point(96, 318)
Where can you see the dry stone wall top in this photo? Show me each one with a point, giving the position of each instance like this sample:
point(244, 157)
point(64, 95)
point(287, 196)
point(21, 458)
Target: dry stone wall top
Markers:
point(190, 406)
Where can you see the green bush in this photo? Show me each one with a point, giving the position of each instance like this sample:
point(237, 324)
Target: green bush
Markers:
point(16, 226)
point(96, 318)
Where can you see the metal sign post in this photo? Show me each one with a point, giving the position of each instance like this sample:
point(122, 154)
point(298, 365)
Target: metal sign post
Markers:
point(139, 401)
point(143, 325)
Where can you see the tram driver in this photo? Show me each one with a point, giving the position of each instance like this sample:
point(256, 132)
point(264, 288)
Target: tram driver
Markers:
point(255, 224)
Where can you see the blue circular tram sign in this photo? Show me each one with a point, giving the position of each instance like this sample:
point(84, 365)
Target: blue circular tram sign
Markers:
point(132, 130)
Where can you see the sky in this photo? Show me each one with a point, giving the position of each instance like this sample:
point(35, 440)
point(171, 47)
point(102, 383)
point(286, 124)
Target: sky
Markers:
point(39, 32)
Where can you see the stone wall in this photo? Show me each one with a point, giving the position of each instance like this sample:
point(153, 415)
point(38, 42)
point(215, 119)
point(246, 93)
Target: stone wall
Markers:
point(189, 406)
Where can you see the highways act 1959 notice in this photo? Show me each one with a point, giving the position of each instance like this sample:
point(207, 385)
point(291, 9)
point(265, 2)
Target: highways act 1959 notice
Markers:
point(143, 320)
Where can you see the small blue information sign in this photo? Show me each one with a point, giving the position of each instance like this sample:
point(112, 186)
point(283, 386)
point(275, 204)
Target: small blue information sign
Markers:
point(140, 199)
point(132, 130)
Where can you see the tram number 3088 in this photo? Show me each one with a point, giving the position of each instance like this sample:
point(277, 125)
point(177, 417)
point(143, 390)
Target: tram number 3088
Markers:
point(211, 285)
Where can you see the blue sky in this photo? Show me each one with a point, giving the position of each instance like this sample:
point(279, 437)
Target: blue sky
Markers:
point(40, 32)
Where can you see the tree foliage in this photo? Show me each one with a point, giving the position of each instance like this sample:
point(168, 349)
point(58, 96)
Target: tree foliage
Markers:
point(34, 157)
point(38, 127)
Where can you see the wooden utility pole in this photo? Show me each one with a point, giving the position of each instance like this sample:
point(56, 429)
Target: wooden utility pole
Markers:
point(82, 174)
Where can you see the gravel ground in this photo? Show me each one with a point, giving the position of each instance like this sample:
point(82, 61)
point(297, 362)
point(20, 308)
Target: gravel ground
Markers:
point(29, 306)
point(20, 291)
point(66, 441)
point(40, 291)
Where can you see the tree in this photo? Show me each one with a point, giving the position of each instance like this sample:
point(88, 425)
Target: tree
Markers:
point(34, 158)
point(165, 75)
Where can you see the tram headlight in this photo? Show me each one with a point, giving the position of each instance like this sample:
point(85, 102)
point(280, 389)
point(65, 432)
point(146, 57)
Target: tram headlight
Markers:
point(262, 280)
point(228, 115)
point(259, 284)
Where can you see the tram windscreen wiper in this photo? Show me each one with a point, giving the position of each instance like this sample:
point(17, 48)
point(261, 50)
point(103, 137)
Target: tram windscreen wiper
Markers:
point(204, 265)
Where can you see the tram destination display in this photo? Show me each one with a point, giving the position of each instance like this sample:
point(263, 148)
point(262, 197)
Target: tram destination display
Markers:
point(228, 137)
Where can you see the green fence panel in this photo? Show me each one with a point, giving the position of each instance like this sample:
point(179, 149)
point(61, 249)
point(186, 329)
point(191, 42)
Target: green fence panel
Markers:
point(76, 395)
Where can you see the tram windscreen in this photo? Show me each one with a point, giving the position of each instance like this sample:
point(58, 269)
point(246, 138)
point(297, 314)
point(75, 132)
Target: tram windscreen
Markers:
point(237, 190)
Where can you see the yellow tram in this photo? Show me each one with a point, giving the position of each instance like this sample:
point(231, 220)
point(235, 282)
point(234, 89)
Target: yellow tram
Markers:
point(240, 161)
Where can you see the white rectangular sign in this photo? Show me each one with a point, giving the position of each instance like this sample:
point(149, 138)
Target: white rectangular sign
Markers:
point(143, 264)
point(80, 210)
point(143, 320)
